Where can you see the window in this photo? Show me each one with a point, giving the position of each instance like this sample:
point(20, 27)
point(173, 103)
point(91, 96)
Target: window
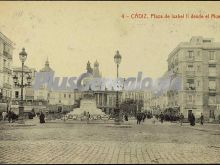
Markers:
point(198, 68)
point(8, 79)
point(190, 54)
point(176, 61)
point(69, 95)
point(16, 94)
point(198, 83)
point(114, 101)
point(212, 84)
point(190, 67)
point(4, 63)
point(211, 55)
point(190, 84)
point(212, 113)
point(212, 100)
point(110, 101)
point(64, 95)
point(190, 98)
point(212, 71)
point(4, 47)
point(207, 41)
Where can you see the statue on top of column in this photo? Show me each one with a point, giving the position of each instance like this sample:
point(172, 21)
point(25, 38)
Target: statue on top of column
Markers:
point(89, 68)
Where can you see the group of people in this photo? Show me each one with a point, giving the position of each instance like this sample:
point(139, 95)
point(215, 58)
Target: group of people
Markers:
point(140, 117)
point(191, 118)
point(10, 115)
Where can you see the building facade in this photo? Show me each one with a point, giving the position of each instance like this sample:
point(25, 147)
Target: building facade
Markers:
point(28, 92)
point(6, 57)
point(53, 98)
point(197, 64)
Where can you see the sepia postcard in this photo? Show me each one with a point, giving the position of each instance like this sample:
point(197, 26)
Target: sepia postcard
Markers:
point(109, 82)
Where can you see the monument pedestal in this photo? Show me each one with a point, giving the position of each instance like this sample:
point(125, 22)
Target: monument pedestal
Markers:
point(21, 120)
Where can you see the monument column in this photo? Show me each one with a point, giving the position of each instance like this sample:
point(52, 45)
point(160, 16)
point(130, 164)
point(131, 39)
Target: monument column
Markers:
point(103, 97)
point(98, 99)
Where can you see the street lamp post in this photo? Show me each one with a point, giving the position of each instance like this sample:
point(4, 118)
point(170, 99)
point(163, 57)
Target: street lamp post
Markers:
point(117, 59)
point(22, 57)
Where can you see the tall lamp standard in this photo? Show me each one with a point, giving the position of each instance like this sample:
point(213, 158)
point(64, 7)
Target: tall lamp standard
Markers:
point(117, 59)
point(22, 57)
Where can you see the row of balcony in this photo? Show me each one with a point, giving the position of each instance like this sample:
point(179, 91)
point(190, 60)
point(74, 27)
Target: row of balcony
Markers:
point(192, 73)
point(7, 55)
point(6, 85)
point(25, 97)
point(192, 59)
point(7, 70)
point(194, 88)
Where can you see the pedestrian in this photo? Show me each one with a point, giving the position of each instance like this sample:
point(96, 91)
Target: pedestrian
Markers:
point(13, 116)
point(42, 117)
point(153, 119)
point(144, 117)
point(4, 114)
point(139, 117)
point(88, 117)
point(9, 116)
point(126, 117)
point(181, 117)
point(161, 117)
point(190, 118)
point(201, 119)
point(193, 120)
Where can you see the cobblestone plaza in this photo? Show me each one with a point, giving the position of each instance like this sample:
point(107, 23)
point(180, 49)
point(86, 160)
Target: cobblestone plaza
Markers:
point(69, 142)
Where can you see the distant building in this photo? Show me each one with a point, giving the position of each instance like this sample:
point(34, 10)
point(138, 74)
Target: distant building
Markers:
point(148, 101)
point(28, 92)
point(41, 95)
point(197, 63)
point(105, 100)
point(53, 97)
point(61, 97)
point(6, 57)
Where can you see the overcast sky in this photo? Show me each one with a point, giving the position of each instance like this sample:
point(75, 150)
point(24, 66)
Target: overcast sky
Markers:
point(71, 33)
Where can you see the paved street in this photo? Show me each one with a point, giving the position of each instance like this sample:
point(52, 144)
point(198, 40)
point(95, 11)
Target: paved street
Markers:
point(105, 143)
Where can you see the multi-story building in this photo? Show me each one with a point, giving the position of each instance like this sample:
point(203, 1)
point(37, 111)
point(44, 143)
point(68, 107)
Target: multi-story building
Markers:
point(41, 95)
point(147, 100)
point(106, 100)
point(53, 99)
point(28, 91)
point(6, 56)
point(137, 96)
point(197, 64)
point(133, 95)
point(63, 97)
